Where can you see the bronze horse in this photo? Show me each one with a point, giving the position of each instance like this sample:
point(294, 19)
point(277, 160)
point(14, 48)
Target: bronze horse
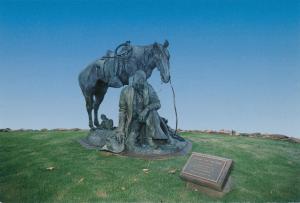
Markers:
point(114, 70)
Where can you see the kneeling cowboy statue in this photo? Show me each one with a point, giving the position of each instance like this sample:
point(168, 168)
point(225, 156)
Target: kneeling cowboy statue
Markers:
point(138, 117)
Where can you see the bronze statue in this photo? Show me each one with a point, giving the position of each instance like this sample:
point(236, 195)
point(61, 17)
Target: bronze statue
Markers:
point(106, 123)
point(141, 130)
point(114, 70)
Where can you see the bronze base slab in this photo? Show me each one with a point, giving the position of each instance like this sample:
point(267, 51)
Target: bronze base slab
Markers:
point(185, 150)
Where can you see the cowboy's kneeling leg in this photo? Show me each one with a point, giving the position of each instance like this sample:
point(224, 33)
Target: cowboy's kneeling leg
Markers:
point(153, 129)
point(132, 136)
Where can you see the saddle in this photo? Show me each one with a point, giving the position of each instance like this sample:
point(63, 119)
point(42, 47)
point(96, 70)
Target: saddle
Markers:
point(122, 51)
point(120, 58)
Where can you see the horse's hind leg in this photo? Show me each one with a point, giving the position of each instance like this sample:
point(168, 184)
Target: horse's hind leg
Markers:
point(89, 108)
point(99, 96)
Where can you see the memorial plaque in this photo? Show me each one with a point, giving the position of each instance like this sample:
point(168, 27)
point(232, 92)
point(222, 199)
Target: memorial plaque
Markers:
point(207, 170)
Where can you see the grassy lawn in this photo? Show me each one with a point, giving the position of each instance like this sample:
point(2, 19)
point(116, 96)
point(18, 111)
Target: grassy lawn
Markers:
point(264, 170)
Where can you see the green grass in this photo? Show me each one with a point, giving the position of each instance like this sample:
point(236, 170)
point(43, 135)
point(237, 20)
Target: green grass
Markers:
point(264, 170)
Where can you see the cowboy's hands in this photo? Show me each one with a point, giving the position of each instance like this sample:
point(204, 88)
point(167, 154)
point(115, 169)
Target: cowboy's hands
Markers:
point(143, 115)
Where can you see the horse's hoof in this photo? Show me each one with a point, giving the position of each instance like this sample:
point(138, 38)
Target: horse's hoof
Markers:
point(97, 125)
point(91, 126)
point(93, 129)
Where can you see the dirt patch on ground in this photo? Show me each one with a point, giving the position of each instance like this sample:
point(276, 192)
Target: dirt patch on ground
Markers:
point(101, 194)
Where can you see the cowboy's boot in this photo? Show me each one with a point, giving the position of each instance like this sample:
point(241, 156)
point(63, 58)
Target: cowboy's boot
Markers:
point(150, 142)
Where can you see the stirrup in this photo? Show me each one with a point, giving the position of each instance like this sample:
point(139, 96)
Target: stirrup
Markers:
point(150, 142)
point(115, 82)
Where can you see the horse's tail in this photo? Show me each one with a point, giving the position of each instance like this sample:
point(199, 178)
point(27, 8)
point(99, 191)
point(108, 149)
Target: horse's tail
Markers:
point(81, 79)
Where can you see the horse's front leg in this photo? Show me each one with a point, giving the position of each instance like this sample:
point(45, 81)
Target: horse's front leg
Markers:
point(96, 121)
point(89, 108)
point(98, 100)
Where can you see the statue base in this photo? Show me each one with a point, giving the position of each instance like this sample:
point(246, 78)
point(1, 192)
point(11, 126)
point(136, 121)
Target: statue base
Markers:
point(102, 139)
point(161, 153)
point(107, 140)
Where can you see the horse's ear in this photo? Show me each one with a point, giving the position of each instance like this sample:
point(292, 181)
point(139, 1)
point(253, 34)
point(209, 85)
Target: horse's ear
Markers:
point(166, 44)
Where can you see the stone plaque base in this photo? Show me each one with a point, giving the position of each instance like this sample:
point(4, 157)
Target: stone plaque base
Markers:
point(211, 192)
point(208, 172)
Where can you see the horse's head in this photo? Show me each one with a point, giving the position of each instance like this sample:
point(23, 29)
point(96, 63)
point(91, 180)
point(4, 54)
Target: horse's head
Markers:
point(161, 58)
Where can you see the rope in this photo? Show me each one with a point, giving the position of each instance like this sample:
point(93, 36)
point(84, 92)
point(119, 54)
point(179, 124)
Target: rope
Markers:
point(124, 54)
point(174, 104)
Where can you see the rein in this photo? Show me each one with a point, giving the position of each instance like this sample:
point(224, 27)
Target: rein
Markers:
point(174, 104)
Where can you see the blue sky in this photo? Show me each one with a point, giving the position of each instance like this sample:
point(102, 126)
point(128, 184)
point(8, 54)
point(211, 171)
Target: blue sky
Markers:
point(234, 64)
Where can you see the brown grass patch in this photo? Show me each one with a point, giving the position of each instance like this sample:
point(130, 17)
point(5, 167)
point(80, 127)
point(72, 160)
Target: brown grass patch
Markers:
point(101, 194)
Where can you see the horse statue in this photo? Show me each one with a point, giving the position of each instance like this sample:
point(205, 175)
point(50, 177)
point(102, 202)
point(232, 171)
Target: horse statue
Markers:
point(115, 68)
